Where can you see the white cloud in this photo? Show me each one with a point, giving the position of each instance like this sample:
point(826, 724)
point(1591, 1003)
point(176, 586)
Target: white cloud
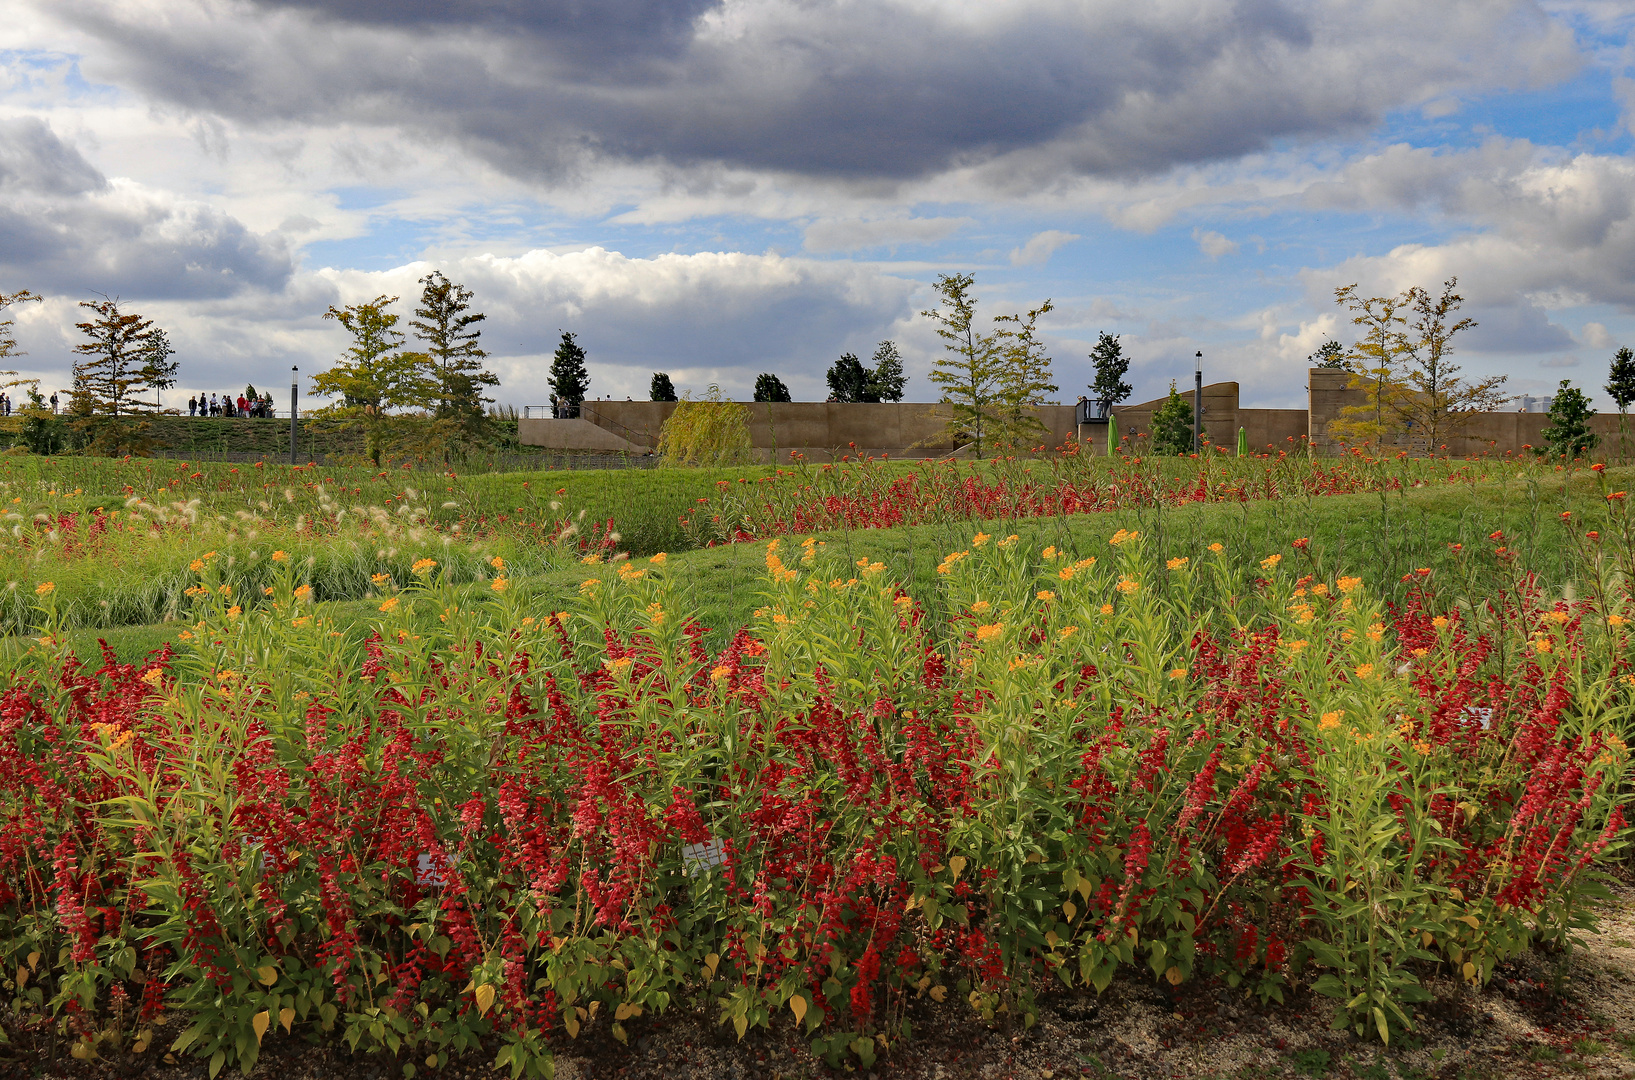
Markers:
point(1213, 244)
point(1039, 248)
point(1596, 336)
point(709, 317)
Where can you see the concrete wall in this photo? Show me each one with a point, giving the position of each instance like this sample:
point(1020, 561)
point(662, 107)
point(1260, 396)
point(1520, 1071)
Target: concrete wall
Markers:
point(1496, 433)
point(825, 431)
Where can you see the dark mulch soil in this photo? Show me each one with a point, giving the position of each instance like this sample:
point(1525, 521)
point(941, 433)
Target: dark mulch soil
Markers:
point(1539, 1017)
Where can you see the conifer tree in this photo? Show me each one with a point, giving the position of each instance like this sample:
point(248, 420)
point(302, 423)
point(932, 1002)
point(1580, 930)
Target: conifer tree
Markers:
point(887, 380)
point(570, 379)
point(661, 388)
point(1111, 365)
point(1172, 425)
point(445, 322)
point(1621, 388)
point(1569, 432)
point(1330, 354)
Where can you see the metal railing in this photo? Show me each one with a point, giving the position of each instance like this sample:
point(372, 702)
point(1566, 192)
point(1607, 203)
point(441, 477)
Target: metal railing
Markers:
point(550, 412)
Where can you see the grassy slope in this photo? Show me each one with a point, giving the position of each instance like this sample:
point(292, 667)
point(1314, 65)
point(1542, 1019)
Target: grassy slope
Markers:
point(1379, 538)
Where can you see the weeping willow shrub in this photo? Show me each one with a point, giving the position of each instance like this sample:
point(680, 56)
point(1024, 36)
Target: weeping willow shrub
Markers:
point(713, 430)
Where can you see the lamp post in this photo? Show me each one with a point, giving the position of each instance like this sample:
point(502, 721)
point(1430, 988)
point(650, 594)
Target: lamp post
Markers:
point(294, 377)
point(1197, 402)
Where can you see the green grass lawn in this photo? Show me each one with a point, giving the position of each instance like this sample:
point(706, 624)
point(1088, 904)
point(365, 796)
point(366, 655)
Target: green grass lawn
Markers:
point(1381, 538)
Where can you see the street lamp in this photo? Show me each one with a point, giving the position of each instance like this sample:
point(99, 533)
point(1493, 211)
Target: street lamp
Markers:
point(294, 377)
point(1197, 402)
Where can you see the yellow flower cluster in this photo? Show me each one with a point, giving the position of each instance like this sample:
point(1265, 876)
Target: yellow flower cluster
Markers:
point(1270, 562)
point(1124, 536)
point(381, 579)
point(303, 592)
point(1128, 586)
point(1177, 562)
point(280, 556)
point(774, 565)
point(1349, 585)
point(500, 584)
point(1329, 722)
point(389, 604)
point(991, 630)
point(422, 567)
point(948, 561)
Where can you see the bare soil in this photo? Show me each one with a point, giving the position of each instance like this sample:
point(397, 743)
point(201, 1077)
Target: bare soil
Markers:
point(1541, 1016)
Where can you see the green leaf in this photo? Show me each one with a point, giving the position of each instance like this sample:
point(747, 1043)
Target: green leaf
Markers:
point(216, 1061)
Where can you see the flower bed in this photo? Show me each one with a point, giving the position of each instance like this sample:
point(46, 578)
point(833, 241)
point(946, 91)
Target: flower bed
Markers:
point(869, 495)
point(504, 824)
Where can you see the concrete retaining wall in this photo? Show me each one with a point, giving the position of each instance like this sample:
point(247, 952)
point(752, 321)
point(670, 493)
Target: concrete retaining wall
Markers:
point(824, 431)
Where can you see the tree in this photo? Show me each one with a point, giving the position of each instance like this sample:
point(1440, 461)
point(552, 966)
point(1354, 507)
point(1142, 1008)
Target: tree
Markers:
point(711, 431)
point(1569, 432)
point(41, 431)
point(1621, 388)
point(112, 378)
point(1374, 361)
point(1109, 386)
point(8, 344)
point(1172, 425)
point(1024, 380)
point(768, 387)
point(1330, 354)
point(158, 369)
point(445, 322)
point(850, 381)
point(887, 381)
point(1431, 400)
point(375, 375)
point(570, 380)
point(972, 363)
point(662, 389)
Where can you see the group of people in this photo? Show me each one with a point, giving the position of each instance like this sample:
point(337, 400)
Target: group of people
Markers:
point(260, 406)
point(5, 403)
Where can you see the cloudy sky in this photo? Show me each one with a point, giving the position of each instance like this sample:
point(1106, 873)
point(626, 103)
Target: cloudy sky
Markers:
point(716, 188)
